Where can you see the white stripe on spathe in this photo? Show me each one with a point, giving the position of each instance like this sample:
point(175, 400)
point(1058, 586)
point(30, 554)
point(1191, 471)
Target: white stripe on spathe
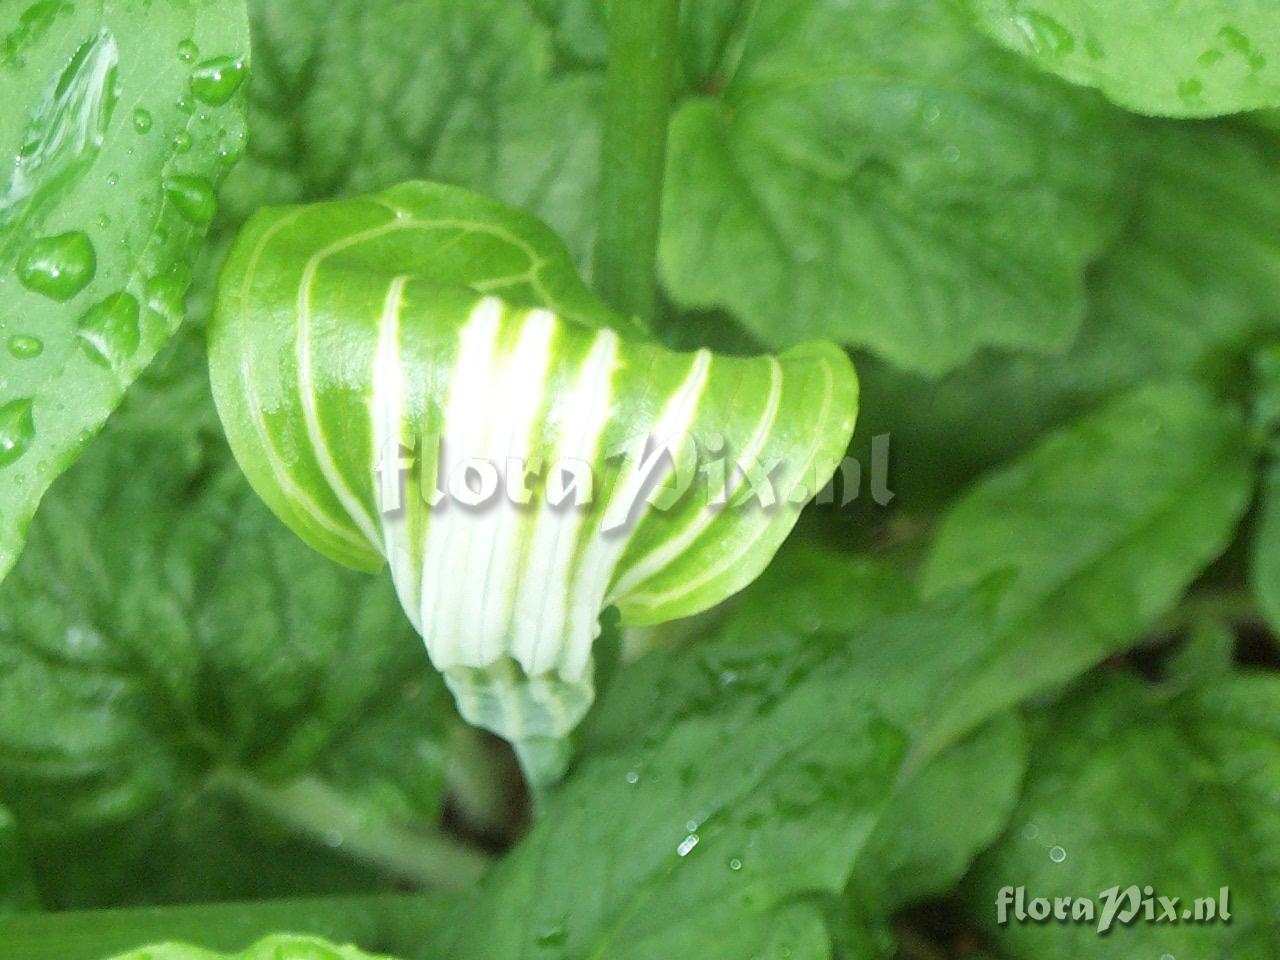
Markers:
point(544, 601)
point(601, 557)
point(670, 550)
point(515, 405)
point(463, 424)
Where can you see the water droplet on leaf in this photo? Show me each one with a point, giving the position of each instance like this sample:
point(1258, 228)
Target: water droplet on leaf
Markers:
point(59, 267)
point(109, 329)
point(181, 141)
point(188, 51)
point(141, 120)
point(216, 80)
point(17, 430)
point(1057, 854)
point(686, 845)
point(24, 347)
point(193, 197)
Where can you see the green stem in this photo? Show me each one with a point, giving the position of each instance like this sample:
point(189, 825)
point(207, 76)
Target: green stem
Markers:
point(393, 923)
point(312, 807)
point(639, 83)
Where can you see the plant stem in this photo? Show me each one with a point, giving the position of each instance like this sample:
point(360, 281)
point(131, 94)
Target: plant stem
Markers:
point(639, 82)
point(312, 807)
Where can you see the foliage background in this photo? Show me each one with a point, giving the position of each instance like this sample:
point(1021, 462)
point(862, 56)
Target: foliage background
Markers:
point(1050, 661)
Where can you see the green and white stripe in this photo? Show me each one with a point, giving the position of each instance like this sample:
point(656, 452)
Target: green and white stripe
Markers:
point(432, 319)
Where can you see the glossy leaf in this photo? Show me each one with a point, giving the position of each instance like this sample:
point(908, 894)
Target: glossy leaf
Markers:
point(876, 173)
point(413, 334)
point(1127, 788)
point(118, 132)
point(1181, 58)
point(1089, 537)
point(168, 651)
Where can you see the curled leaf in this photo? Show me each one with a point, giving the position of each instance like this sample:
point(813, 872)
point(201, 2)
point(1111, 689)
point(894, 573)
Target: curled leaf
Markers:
point(419, 378)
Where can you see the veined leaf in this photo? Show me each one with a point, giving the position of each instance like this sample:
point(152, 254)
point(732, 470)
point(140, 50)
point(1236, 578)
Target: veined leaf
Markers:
point(425, 333)
point(877, 173)
point(121, 119)
point(1180, 58)
point(169, 651)
point(1091, 536)
point(1129, 788)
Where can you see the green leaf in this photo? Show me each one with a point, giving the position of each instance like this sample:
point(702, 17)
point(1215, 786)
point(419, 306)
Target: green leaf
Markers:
point(1179, 58)
point(162, 636)
point(122, 119)
point(1188, 290)
point(1091, 535)
point(879, 175)
point(941, 819)
point(1127, 788)
point(752, 779)
point(400, 339)
point(281, 947)
point(352, 96)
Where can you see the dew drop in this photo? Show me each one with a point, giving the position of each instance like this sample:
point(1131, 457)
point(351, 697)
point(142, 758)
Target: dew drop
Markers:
point(59, 267)
point(1057, 854)
point(181, 141)
point(109, 329)
point(215, 81)
point(555, 937)
point(686, 845)
point(25, 347)
point(104, 220)
point(1045, 34)
point(17, 430)
point(633, 777)
point(185, 105)
point(141, 120)
point(735, 864)
point(193, 197)
point(188, 51)
point(1166, 956)
point(112, 179)
point(333, 838)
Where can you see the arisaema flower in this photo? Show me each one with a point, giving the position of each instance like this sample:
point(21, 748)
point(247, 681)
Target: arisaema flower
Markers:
point(418, 379)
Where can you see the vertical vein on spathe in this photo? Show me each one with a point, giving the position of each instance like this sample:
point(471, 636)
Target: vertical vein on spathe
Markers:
point(670, 550)
point(463, 423)
point(520, 395)
point(544, 602)
point(598, 564)
point(387, 418)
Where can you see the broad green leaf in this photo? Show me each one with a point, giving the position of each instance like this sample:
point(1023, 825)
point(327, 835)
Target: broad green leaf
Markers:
point(352, 96)
point(281, 947)
point(878, 174)
point(370, 356)
point(164, 640)
point(1092, 535)
point(752, 780)
point(1127, 788)
point(1188, 290)
point(121, 118)
point(1179, 58)
point(941, 818)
